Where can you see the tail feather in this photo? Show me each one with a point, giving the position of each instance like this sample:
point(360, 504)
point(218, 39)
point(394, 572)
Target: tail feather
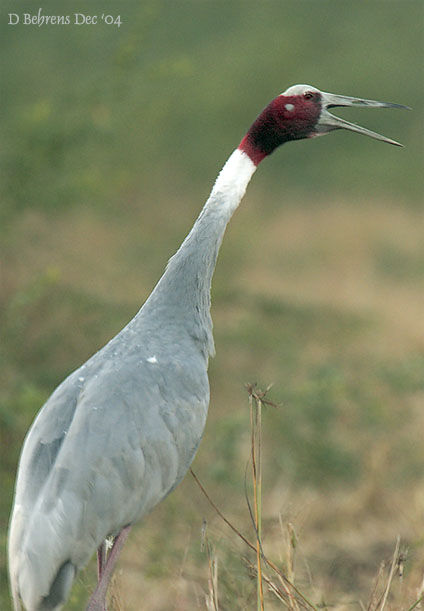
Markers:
point(41, 570)
point(57, 596)
point(60, 588)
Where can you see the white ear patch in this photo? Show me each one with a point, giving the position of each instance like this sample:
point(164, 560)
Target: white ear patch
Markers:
point(289, 107)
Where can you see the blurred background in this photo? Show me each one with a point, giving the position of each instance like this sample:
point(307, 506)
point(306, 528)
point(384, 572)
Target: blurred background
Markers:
point(111, 141)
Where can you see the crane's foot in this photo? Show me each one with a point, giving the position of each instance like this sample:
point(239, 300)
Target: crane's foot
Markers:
point(105, 568)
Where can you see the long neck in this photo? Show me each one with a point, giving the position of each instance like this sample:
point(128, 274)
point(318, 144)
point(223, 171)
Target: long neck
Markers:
point(183, 292)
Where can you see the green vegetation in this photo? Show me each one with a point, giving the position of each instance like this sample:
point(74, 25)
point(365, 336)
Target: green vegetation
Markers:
point(111, 140)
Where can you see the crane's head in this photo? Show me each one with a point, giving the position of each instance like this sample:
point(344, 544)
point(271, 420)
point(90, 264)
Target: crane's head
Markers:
point(302, 112)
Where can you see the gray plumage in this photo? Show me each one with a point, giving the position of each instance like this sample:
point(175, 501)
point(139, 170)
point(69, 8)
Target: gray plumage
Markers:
point(120, 432)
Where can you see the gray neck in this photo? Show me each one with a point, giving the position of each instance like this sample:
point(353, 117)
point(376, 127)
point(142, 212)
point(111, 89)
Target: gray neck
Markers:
point(182, 295)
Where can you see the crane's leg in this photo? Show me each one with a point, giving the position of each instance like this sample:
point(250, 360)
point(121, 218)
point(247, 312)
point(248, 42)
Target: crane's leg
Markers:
point(97, 601)
point(101, 560)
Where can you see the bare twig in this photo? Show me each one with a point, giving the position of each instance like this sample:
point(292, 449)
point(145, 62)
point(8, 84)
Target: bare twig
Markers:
point(292, 591)
point(391, 574)
point(219, 512)
point(372, 605)
point(291, 546)
point(269, 562)
point(255, 431)
point(283, 595)
point(416, 603)
point(260, 395)
point(213, 577)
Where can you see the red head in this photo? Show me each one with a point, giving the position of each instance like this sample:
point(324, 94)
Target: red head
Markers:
point(301, 112)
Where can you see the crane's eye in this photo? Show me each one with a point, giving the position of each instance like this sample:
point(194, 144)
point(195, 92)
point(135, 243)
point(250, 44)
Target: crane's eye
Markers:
point(308, 95)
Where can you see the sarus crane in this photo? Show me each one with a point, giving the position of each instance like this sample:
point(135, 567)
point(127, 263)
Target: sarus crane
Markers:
point(119, 434)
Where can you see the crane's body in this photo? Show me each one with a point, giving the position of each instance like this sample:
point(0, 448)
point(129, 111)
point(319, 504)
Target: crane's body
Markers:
point(122, 430)
point(143, 397)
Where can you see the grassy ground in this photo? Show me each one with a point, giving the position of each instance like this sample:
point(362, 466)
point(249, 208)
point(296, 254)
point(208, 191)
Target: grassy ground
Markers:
point(324, 302)
point(111, 138)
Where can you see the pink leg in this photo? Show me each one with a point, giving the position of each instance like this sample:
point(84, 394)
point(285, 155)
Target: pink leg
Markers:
point(101, 560)
point(97, 601)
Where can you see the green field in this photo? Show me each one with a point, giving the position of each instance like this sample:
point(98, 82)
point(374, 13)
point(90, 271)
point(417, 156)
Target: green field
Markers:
point(111, 140)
